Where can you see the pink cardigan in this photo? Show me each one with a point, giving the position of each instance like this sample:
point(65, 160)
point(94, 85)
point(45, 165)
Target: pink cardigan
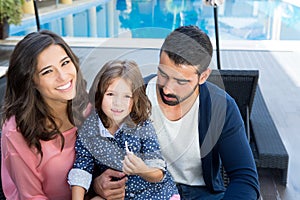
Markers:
point(23, 178)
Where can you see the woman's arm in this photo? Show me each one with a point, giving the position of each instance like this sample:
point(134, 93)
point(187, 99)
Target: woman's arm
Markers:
point(19, 167)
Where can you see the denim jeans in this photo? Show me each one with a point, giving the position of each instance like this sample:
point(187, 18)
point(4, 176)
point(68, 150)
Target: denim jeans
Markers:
point(197, 193)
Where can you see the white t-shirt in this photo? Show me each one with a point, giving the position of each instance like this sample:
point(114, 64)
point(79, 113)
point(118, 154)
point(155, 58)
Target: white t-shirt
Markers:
point(179, 141)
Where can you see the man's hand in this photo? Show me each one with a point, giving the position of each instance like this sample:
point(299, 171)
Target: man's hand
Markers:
point(109, 189)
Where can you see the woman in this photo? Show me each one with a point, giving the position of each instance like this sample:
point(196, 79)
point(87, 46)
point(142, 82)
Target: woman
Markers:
point(45, 99)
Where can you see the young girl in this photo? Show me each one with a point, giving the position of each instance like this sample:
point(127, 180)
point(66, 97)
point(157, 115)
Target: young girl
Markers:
point(119, 135)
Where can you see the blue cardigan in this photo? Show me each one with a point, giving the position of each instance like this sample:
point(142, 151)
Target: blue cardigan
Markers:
point(222, 139)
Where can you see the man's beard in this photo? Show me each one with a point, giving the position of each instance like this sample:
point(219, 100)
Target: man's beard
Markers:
point(177, 100)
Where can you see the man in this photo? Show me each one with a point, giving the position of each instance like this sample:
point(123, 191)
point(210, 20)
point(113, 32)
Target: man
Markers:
point(199, 126)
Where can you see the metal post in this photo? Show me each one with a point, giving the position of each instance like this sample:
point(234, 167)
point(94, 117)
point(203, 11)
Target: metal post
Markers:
point(217, 36)
point(36, 15)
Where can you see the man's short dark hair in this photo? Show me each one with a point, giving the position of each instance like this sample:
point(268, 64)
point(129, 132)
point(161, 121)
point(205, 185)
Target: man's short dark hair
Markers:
point(189, 45)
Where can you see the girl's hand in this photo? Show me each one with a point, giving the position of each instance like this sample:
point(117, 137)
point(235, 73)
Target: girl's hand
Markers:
point(133, 165)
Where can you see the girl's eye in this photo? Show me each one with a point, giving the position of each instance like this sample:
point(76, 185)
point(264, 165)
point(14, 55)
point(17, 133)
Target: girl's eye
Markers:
point(109, 94)
point(128, 96)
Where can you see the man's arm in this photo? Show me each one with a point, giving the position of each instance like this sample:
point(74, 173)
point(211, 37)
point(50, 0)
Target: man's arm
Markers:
point(237, 158)
point(106, 187)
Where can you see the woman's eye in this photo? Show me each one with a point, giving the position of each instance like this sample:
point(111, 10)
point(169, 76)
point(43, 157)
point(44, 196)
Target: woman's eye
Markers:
point(128, 96)
point(65, 62)
point(46, 72)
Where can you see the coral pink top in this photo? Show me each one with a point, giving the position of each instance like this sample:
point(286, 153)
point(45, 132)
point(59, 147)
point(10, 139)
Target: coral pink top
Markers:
point(24, 178)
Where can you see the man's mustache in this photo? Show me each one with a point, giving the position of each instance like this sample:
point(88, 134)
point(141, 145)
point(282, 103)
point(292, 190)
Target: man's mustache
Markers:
point(166, 95)
point(169, 95)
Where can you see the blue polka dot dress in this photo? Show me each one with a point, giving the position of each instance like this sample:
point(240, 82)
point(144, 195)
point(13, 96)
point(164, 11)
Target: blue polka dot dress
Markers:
point(96, 147)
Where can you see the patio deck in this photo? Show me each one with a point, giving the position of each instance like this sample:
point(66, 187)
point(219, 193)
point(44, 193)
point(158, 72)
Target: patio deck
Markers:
point(279, 81)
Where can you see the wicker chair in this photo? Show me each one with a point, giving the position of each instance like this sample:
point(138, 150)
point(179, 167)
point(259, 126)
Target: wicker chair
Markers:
point(265, 141)
point(241, 85)
point(269, 149)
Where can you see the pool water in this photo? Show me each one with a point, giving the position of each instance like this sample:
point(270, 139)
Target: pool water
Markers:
point(237, 19)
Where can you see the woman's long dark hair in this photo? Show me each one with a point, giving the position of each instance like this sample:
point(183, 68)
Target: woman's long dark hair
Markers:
point(24, 101)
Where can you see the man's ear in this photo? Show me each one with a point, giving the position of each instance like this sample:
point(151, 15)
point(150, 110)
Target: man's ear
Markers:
point(204, 76)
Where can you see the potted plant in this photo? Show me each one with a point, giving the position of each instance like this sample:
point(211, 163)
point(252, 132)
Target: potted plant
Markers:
point(10, 13)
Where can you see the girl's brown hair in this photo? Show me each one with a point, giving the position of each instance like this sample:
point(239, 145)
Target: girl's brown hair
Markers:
point(129, 71)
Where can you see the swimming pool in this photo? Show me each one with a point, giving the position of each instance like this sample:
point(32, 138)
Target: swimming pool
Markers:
point(238, 19)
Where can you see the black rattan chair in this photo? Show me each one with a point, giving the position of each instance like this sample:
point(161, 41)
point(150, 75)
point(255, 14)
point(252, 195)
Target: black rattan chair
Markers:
point(270, 151)
point(241, 85)
point(265, 141)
